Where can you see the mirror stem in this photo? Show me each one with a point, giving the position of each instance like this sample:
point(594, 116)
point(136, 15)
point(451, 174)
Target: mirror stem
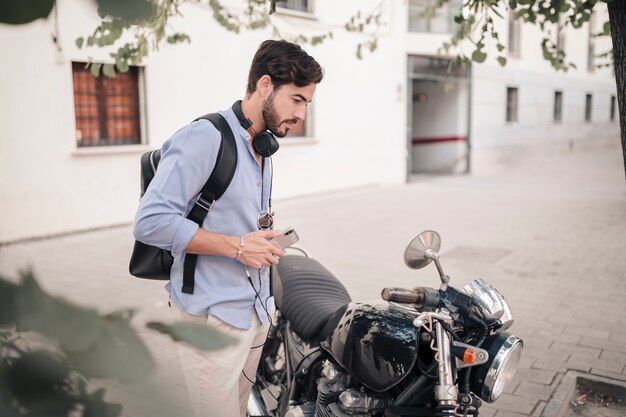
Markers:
point(431, 254)
point(444, 278)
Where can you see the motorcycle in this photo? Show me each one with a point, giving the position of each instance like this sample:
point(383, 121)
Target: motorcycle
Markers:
point(415, 352)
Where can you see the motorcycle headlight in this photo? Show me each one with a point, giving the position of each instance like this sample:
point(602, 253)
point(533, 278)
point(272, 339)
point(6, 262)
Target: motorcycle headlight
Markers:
point(489, 379)
point(491, 303)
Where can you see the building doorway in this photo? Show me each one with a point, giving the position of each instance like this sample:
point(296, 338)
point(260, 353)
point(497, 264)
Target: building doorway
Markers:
point(438, 131)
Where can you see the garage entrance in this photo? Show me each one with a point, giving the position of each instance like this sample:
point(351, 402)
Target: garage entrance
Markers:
point(438, 116)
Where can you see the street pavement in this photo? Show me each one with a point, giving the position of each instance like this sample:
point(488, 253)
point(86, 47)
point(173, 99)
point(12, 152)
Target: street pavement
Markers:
point(546, 227)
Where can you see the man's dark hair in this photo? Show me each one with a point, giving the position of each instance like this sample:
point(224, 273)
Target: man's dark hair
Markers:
point(285, 63)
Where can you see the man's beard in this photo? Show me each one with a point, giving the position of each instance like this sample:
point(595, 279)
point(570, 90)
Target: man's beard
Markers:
point(272, 119)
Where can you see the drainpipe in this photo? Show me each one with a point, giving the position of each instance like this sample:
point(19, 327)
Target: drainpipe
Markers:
point(469, 121)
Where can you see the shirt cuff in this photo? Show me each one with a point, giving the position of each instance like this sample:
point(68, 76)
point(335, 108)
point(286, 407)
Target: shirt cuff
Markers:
point(186, 231)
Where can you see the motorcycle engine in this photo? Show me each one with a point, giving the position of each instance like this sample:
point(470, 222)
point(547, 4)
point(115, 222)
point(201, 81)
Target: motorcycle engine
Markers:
point(334, 399)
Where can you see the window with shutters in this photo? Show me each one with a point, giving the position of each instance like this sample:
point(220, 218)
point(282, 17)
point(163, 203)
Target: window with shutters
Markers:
point(511, 104)
point(107, 110)
point(558, 106)
point(304, 6)
point(588, 104)
point(424, 18)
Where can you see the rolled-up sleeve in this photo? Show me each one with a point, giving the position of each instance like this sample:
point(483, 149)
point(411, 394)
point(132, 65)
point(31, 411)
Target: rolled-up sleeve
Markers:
point(187, 160)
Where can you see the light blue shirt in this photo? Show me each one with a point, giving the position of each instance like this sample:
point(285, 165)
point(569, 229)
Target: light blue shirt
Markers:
point(222, 288)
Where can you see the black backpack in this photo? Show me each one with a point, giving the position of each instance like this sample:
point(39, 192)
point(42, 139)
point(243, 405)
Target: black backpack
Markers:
point(154, 263)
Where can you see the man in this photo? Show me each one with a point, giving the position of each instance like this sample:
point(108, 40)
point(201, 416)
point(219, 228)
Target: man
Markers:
point(231, 277)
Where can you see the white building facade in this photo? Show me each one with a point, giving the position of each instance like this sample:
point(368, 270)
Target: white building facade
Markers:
point(526, 102)
point(69, 161)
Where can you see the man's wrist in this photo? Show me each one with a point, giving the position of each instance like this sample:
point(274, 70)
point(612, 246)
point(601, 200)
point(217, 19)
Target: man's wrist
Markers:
point(233, 246)
point(240, 248)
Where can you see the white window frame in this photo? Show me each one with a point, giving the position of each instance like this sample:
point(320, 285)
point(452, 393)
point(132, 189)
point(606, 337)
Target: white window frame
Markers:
point(591, 67)
point(560, 32)
point(143, 144)
point(514, 36)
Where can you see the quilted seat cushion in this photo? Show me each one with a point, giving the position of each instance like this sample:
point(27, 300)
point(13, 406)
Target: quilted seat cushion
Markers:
point(307, 294)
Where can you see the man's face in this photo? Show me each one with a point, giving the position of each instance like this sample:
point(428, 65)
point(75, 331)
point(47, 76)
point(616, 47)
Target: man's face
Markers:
point(285, 106)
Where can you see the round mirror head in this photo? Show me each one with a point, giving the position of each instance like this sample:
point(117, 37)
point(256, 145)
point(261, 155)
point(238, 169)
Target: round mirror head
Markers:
point(415, 253)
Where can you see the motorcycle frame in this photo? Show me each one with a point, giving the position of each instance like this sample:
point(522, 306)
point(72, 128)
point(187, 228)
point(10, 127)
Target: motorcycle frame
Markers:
point(292, 371)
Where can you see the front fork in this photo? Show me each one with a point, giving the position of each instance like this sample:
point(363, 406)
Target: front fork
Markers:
point(446, 391)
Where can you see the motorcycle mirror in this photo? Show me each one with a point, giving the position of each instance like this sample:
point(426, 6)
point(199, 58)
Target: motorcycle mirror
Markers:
point(422, 249)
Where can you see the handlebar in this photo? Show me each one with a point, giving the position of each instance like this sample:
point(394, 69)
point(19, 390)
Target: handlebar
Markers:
point(420, 296)
point(402, 295)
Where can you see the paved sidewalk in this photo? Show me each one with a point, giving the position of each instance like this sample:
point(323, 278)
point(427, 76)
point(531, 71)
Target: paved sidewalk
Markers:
point(547, 229)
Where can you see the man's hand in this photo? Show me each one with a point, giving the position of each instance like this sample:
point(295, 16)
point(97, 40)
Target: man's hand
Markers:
point(257, 251)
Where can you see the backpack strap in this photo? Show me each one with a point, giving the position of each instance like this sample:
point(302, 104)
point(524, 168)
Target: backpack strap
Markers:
point(213, 189)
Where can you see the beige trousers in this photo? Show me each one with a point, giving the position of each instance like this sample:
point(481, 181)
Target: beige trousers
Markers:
point(215, 380)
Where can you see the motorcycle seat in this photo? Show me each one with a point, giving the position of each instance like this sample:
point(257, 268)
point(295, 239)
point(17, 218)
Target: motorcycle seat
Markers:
point(307, 294)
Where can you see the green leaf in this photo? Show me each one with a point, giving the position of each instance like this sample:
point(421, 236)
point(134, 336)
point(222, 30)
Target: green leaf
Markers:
point(95, 406)
point(117, 353)
point(95, 69)
point(197, 335)
point(479, 56)
point(36, 377)
point(521, 14)
point(129, 10)
point(315, 40)
point(74, 327)
point(8, 307)
point(101, 41)
point(552, 17)
point(79, 42)
point(19, 12)
point(585, 16)
point(122, 66)
point(178, 38)
point(500, 47)
point(143, 48)
point(373, 45)
point(115, 33)
point(108, 70)
point(501, 60)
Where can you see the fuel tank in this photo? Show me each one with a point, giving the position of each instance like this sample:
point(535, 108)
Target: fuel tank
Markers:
point(375, 341)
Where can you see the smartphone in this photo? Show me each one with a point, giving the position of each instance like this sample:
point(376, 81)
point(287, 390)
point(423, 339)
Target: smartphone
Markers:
point(286, 238)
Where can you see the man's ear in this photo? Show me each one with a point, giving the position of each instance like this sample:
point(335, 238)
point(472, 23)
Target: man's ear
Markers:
point(265, 86)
